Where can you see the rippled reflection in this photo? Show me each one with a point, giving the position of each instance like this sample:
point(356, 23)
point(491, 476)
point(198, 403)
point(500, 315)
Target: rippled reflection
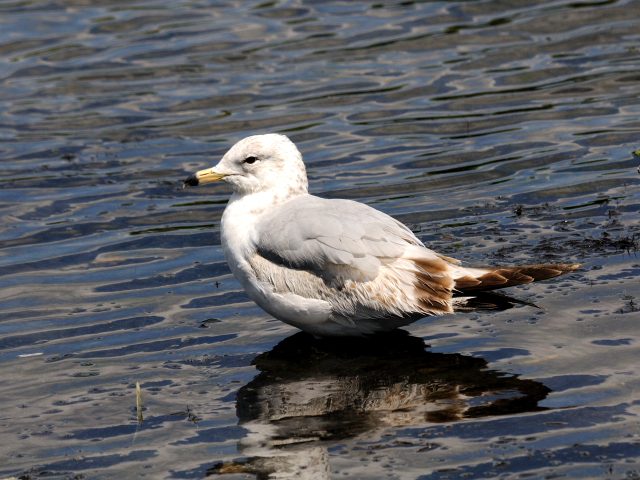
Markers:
point(310, 393)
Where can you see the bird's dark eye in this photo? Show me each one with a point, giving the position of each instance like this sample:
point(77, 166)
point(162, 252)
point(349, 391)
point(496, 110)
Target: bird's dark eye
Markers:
point(251, 160)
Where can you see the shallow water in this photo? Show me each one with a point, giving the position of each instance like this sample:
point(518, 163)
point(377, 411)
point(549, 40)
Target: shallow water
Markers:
point(501, 132)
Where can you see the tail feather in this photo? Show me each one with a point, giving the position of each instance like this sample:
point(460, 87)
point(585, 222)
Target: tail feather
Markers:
point(490, 278)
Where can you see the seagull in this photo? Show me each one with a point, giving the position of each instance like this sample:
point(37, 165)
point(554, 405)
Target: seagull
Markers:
point(334, 267)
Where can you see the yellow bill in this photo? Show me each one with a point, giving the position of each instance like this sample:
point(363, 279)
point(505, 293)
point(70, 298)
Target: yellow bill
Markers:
point(203, 176)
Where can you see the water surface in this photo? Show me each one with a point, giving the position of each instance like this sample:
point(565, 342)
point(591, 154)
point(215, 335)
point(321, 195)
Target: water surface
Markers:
point(500, 132)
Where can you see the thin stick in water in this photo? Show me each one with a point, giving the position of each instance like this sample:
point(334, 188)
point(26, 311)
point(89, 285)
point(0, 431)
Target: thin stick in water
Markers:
point(139, 402)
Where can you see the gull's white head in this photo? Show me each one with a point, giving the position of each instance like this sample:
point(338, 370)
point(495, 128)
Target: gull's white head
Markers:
point(257, 164)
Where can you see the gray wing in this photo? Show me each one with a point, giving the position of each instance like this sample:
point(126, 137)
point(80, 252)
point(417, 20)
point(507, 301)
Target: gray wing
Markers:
point(308, 233)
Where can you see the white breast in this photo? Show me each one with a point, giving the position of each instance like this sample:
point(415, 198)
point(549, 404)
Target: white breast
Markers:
point(239, 246)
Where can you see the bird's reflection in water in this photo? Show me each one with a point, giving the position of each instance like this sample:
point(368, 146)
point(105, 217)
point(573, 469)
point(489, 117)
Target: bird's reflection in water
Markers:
point(310, 394)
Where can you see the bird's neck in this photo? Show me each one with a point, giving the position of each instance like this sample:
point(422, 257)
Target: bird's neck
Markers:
point(255, 204)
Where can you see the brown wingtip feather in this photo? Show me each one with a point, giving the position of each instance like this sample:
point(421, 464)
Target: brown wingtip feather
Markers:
point(501, 277)
point(434, 287)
